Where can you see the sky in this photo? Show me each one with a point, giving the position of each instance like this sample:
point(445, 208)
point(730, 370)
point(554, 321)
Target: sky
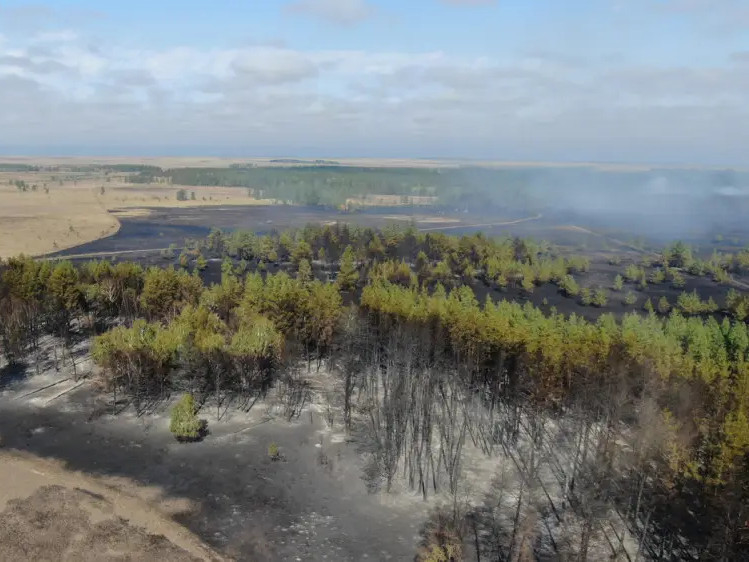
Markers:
point(655, 81)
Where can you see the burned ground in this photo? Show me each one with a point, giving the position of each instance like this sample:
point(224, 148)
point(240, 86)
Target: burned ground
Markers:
point(313, 504)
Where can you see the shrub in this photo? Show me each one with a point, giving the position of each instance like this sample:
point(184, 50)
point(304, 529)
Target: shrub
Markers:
point(273, 452)
point(630, 299)
point(664, 307)
point(181, 195)
point(569, 286)
point(697, 268)
point(632, 272)
point(720, 275)
point(527, 284)
point(579, 264)
point(600, 298)
point(690, 303)
point(184, 422)
point(658, 276)
point(618, 283)
point(586, 297)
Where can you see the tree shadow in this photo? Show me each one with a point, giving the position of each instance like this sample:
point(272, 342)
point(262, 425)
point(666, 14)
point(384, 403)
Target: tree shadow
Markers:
point(11, 374)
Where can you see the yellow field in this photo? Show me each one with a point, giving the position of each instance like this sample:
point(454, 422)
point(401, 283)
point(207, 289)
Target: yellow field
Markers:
point(39, 222)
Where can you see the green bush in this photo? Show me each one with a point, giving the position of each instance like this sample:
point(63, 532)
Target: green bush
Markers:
point(569, 286)
point(658, 276)
point(273, 452)
point(600, 298)
point(586, 297)
point(632, 272)
point(690, 303)
point(630, 299)
point(184, 422)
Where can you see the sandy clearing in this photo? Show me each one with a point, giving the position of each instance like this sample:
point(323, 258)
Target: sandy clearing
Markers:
point(28, 479)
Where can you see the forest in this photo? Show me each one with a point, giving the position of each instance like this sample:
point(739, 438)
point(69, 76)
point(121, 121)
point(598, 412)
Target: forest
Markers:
point(522, 189)
point(331, 185)
point(626, 437)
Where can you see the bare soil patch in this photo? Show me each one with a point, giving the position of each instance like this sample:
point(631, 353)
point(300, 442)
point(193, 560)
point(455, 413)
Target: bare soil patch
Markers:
point(50, 513)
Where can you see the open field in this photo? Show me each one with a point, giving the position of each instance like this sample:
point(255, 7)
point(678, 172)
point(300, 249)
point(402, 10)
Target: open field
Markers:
point(39, 222)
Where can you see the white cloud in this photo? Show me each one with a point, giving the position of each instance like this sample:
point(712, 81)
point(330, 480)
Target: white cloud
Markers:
point(343, 12)
point(273, 66)
point(61, 36)
point(276, 99)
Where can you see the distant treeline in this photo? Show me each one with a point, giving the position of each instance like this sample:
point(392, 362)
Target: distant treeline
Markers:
point(297, 161)
point(11, 167)
point(331, 185)
point(477, 189)
point(131, 168)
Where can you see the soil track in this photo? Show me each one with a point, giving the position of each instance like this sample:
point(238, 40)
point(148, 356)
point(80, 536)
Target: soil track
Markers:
point(484, 225)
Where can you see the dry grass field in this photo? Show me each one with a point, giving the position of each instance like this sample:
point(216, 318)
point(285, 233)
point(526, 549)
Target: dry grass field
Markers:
point(55, 216)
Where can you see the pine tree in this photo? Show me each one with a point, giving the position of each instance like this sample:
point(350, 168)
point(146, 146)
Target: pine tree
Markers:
point(348, 275)
point(184, 423)
point(304, 273)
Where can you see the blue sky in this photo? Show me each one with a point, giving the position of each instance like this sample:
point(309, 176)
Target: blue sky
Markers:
point(663, 81)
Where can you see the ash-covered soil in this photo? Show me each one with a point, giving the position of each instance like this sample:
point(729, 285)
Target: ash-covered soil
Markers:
point(162, 227)
point(313, 504)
